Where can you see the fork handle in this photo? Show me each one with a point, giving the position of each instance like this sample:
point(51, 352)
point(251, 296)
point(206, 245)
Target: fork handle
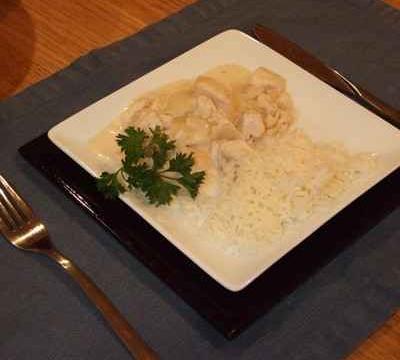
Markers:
point(131, 339)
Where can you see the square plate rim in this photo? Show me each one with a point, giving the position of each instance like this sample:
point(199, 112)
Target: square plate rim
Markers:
point(52, 135)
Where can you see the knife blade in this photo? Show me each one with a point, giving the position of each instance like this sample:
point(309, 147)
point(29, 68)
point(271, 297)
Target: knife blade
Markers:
point(325, 73)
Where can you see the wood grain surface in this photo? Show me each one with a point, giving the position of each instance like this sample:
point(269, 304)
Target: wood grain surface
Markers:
point(40, 37)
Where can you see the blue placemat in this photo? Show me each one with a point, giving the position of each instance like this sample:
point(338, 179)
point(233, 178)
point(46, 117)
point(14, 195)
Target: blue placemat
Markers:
point(44, 316)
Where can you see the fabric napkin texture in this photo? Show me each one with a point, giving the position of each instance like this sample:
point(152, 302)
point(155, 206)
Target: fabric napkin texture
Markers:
point(44, 315)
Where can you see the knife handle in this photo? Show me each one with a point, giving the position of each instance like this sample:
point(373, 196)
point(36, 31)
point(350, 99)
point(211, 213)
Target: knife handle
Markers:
point(332, 77)
point(386, 111)
point(374, 104)
point(380, 108)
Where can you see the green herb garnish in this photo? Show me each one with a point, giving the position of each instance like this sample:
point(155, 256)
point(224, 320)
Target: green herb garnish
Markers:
point(151, 165)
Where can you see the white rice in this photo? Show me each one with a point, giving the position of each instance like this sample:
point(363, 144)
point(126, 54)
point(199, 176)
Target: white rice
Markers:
point(285, 180)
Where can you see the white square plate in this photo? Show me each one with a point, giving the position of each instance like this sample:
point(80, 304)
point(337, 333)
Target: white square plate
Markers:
point(324, 114)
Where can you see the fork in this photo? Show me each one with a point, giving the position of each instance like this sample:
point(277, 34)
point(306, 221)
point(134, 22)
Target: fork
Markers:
point(23, 229)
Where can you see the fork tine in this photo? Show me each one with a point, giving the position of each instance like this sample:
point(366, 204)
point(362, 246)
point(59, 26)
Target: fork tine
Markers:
point(16, 202)
point(9, 207)
point(5, 219)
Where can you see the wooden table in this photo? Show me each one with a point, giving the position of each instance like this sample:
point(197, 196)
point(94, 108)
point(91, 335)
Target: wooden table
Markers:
point(40, 37)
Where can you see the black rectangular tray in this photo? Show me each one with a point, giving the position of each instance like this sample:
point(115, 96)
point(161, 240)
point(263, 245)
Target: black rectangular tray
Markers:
point(229, 312)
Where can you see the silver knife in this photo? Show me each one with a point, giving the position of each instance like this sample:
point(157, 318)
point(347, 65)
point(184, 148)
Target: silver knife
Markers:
point(331, 76)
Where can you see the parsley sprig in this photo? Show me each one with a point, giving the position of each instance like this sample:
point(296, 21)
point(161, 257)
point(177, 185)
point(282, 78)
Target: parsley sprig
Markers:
point(151, 165)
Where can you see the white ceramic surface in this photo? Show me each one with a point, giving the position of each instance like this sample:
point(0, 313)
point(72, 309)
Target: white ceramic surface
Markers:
point(324, 113)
